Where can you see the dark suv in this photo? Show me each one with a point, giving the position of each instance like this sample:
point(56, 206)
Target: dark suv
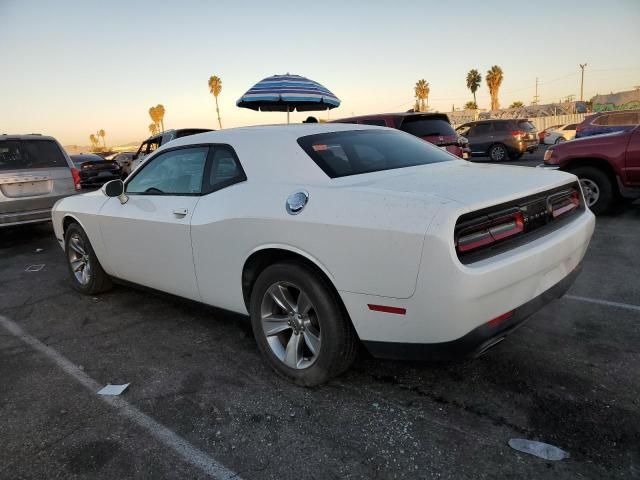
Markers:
point(433, 127)
point(500, 139)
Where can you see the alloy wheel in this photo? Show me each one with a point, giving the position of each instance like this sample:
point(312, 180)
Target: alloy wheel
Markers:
point(498, 153)
point(79, 259)
point(290, 325)
point(591, 191)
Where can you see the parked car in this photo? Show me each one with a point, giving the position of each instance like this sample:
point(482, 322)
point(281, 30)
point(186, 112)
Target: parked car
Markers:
point(330, 234)
point(500, 139)
point(123, 159)
point(432, 127)
point(607, 165)
point(94, 171)
point(542, 133)
point(151, 144)
point(35, 172)
point(560, 134)
point(607, 122)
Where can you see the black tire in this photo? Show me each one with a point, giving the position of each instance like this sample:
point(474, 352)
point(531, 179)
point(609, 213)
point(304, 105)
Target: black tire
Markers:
point(606, 193)
point(98, 280)
point(560, 140)
point(339, 342)
point(498, 152)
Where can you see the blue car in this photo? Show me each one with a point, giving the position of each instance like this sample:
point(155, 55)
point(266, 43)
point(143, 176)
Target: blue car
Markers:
point(608, 122)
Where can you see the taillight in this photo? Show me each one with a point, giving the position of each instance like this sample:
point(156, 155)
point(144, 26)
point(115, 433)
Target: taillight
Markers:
point(488, 232)
point(75, 173)
point(518, 133)
point(564, 204)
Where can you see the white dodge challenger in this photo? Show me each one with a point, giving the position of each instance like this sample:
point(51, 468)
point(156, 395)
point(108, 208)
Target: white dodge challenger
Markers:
point(334, 235)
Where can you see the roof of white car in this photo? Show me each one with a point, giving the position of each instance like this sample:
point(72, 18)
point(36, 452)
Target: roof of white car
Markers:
point(271, 152)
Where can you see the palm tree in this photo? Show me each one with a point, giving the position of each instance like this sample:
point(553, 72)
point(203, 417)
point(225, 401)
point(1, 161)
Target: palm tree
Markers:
point(101, 133)
point(153, 129)
point(471, 106)
point(154, 116)
point(94, 142)
point(215, 87)
point(422, 93)
point(516, 104)
point(494, 80)
point(160, 112)
point(474, 79)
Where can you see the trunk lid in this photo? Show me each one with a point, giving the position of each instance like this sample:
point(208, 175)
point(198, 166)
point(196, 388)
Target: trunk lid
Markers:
point(474, 185)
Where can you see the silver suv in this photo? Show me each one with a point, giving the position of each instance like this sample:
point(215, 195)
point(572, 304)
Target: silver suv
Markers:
point(35, 172)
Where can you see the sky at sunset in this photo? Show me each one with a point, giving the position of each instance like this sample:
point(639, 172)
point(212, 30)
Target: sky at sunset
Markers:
point(73, 67)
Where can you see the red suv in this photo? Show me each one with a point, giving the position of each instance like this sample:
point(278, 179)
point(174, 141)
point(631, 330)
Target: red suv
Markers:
point(608, 166)
point(433, 127)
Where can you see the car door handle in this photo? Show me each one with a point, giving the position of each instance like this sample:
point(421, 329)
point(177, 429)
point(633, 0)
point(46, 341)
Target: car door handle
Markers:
point(180, 212)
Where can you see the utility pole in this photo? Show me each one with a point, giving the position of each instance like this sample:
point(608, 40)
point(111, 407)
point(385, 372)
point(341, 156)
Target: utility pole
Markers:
point(582, 65)
point(535, 97)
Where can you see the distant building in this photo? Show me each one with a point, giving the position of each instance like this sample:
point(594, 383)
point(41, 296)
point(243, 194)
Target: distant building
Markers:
point(617, 101)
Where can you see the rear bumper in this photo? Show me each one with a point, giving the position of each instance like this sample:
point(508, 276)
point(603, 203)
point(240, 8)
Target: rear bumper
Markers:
point(478, 340)
point(23, 218)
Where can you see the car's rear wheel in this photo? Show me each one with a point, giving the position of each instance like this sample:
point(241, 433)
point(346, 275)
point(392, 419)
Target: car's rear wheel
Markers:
point(597, 188)
point(87, 275)
point(498, 153)
point(300, 325)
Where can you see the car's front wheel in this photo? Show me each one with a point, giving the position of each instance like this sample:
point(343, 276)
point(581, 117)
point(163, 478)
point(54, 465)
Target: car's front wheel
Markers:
point(560, 140)
point(597, 187)
point(300, 325)
point(87, 275)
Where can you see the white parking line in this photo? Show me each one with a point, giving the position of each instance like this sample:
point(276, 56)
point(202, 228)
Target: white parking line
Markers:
point(179, 445)
point(626, 306)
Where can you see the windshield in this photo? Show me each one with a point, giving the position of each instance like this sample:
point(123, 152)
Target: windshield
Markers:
point(427, 127)
point(526, 126)
point(354, 152)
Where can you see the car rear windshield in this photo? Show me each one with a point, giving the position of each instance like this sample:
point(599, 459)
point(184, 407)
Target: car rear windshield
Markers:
point(526, 126)
point(340, 154)
point(30, 154)
point(427, 127)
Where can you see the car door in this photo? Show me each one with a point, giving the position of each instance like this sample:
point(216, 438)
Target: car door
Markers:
point(148, 238)
point(480, 137)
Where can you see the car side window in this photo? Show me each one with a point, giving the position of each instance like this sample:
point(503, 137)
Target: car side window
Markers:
point(571, 127)
point(176, 172)
point(224, 169)
point(481, 129)
point(501, 127)
point(620, 119)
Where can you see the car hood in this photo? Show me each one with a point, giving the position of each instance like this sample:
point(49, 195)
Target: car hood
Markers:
point(470, 184)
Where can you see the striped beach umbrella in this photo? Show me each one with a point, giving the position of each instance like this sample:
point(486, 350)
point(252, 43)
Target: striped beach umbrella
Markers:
point(286, 93)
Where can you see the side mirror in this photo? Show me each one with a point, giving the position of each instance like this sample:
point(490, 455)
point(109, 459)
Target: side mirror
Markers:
point(115, 188)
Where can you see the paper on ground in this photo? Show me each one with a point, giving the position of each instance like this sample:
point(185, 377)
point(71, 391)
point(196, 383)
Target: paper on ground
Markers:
point(539, 449)
point(113, 389)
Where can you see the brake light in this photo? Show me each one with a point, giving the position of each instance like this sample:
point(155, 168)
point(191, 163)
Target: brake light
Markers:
point(518, 133)
point(565, 204)
point(75, 173)
point(489, 232)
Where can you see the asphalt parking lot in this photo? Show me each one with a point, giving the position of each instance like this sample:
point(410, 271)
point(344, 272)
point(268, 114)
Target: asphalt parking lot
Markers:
point(202, 402)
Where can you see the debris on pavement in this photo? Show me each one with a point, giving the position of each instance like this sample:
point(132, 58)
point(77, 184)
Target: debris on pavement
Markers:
point(539, 449)
point(113, 389)
point(38, 250)
point(34, 268)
